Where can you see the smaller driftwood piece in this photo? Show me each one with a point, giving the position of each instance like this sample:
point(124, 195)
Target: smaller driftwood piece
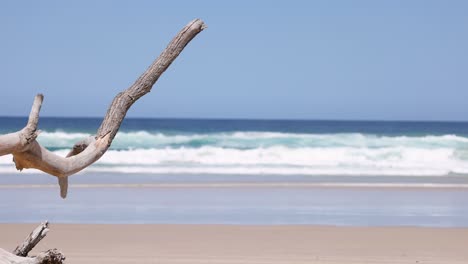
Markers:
point(20, 254)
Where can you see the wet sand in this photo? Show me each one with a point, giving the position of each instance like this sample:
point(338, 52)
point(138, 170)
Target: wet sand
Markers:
point(232, 244)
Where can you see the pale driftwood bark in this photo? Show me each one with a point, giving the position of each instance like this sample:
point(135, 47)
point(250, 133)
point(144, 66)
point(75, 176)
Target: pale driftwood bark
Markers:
point(19, 255)
point(28, 153)
point(32, 239)
point(8, 258)
point(51, 256)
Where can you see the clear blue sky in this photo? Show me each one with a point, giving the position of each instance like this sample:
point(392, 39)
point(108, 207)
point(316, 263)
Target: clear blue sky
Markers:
point(384, 60)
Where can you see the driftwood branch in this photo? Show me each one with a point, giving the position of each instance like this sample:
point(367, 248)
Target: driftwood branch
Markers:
point(28, 153)
point(20, 254)
point(31, 241)
point(19, 141)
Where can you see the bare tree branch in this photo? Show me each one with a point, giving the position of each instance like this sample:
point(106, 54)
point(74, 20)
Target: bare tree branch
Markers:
point(28, 153)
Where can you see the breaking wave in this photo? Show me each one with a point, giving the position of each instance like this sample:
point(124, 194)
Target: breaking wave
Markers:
point(272, 153)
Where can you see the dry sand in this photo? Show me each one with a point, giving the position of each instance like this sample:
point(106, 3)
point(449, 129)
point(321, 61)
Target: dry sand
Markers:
point(223, 244)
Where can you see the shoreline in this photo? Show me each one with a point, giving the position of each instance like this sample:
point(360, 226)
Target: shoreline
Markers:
point(243, 203)
point(232, 244)
point(402, 186)
point(86, 179)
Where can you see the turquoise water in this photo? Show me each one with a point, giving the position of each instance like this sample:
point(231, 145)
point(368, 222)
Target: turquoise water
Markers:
point(178, 146)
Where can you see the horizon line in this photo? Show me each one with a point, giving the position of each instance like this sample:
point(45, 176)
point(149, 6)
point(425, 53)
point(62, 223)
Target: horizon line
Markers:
point(256, 119)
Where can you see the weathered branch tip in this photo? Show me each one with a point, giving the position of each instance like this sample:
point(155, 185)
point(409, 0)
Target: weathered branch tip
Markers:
point(28, 153)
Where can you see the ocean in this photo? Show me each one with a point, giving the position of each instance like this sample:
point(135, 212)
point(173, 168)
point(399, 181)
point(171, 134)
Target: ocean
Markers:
point(183, 171)
point(180, 146)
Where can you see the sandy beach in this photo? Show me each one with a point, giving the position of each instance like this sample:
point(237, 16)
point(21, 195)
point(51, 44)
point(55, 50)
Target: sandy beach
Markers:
point(232, 244)
point(271, 132)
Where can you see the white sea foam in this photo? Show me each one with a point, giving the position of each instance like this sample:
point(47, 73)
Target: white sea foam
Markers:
point(282, 160)
point(279, 160)
point(271, 153)
point(60, 139)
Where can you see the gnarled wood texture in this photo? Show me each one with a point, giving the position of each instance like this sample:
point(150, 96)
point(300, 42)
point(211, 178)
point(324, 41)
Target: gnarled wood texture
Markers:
point(28, 153)
point(20, 254)
point(31, 241)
